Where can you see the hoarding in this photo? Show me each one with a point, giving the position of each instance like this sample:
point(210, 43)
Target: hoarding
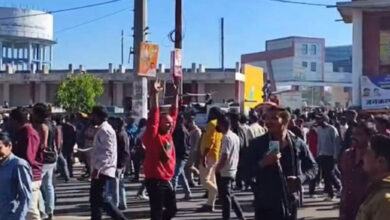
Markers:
point(385, 47)
point(148, 59)
point(375, 92)
point(254, 82)
point(176, 63)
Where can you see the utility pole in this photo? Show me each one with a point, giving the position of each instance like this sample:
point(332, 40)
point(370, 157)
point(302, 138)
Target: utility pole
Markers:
point(179, 37)
point(122, 45)
point(140, 84)
point(178, 25)
point(222, 45)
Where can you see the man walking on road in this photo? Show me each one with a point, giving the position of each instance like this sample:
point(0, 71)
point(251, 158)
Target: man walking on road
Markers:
point(328, 152)
point(15, 179)
point(104, 165)
point(210, 150)
point(160, 157)
point(226, 169)
point(27, 146)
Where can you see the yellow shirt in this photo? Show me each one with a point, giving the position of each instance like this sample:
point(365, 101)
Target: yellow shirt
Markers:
point(211, 140)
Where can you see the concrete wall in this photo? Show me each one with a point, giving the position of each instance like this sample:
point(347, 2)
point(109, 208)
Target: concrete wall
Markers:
point(51, 92)
point(19, 95)
point(222, 91)
point(283, 69)
point(279, 44)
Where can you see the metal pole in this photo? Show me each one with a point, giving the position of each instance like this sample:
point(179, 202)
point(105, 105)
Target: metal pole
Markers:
point(122, 55)
point(222, 45)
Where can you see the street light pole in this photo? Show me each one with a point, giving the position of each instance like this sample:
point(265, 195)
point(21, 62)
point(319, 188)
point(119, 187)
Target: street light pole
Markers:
point(179, 37)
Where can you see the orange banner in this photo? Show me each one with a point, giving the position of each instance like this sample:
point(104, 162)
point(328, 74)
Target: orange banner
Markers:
point(148, 59)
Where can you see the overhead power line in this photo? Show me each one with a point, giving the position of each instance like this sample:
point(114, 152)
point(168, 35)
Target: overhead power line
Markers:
point(62, 10)
point(301, 3)
point(92, 20)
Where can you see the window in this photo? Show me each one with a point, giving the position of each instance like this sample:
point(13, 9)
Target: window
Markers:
point(304, 49)
point(313, 67)
point(313, 49)
point(304, 64)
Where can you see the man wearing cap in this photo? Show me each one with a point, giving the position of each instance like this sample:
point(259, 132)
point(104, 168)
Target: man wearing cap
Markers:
point(328, 152)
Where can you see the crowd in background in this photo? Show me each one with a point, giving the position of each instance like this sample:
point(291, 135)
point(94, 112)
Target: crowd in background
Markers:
point(272, 153)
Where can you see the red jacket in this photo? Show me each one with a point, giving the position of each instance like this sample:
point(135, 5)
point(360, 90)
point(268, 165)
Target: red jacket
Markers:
point(160, 153)
point(27, 145)
point(312, 141)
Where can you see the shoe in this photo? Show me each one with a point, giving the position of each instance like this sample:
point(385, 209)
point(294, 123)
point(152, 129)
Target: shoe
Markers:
point(49, 217)
point(205, 196)
point(122, 208)
point(187, 197)
point(329, 199)
point(142, 197)
point(206, 208)
point(192, 184)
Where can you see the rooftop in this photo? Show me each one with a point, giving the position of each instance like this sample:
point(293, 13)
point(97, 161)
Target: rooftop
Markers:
point(346, 8)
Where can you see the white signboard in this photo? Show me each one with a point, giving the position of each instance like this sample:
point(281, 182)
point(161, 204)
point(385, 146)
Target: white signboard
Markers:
point(375, 92)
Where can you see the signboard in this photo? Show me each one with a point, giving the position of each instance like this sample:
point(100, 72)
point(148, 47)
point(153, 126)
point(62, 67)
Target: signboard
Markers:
point(254, 82)
point(148, 59)
point(176, 63)
point(385, 47)
point(375, 92)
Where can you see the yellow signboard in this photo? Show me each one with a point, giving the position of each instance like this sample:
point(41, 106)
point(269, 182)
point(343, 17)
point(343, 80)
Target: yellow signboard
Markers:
point(254, 82)
point(148, 59)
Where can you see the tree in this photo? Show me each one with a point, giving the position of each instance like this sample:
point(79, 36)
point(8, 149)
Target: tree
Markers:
point(78, 93)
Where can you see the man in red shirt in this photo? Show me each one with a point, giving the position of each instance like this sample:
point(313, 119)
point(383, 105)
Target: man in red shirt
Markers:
point(160, 157)
point(27, 145)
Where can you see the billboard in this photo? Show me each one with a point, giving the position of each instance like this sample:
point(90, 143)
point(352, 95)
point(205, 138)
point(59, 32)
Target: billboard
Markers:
point(26, 23)
point(254, 82)
point(375, 92)
point(148, 59)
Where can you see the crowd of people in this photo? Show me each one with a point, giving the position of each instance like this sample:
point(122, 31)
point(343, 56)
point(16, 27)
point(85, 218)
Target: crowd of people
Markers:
point(272, 153)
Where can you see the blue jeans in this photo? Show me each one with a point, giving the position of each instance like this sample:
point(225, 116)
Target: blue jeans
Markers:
point(116, 192)
point(180, 177)
point(47, 187)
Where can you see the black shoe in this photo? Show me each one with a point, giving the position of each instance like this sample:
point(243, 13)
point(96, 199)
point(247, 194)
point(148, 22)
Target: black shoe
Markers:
point(205, 196)
point(122, 208)
point(192, 185)
point(206, 208)
point(49, 217)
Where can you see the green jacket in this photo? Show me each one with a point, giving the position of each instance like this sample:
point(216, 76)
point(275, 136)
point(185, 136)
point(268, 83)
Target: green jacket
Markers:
point(376, 206)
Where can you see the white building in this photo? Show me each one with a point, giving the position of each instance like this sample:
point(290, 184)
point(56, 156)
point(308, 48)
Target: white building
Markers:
point(299, 63)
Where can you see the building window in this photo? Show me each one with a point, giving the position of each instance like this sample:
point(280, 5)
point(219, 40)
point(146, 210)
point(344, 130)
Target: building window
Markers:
point(313, 49)
point(304, 64)
point(313, 67)
point(304, 49)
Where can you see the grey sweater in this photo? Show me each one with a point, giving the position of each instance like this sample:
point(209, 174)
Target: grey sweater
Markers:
point(328, 141)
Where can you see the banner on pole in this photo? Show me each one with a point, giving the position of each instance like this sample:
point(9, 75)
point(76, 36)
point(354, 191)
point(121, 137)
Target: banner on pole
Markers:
point(176, 63)
point(148, 59)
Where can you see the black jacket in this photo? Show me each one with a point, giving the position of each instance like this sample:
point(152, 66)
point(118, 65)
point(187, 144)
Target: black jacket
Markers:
point(270, 186)
point(181, 139)
point(123, 149)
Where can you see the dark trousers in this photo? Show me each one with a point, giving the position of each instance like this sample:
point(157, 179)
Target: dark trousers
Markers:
point(276, 212)
point(69, 161)
point(137, 161)
point(97, 201)
point(162, 199)
point(227, 198)
point(328, 168)
point(313, 183)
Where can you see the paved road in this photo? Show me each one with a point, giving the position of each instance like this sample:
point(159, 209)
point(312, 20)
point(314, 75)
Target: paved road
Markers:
point(72, 203)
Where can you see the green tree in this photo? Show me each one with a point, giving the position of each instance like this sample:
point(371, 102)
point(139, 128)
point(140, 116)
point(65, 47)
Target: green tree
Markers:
point(79, 92)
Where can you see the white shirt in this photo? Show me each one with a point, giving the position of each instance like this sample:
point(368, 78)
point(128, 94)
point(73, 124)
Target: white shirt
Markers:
point(231, 147)
point(104, 155)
